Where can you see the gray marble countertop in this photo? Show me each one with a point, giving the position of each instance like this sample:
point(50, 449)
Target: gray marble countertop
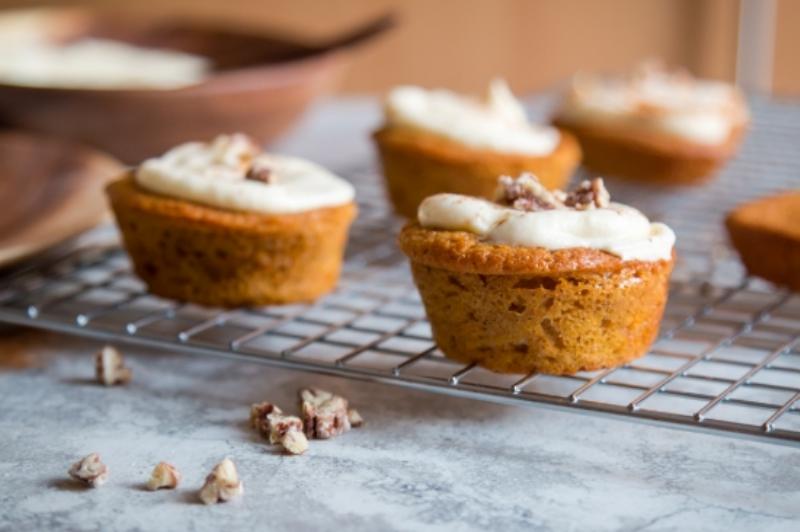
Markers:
point(422, 462)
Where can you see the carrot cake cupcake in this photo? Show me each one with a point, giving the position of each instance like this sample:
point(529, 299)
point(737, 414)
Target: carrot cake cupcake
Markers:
point(766, 233)
point(219, 223)
point(654, 125)
point(537, 280)
point(436, 141)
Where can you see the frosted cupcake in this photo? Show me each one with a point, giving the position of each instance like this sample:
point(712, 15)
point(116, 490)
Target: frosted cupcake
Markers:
point(437, 141)
point(220, 223)
point(537, 280)
point(654, 125)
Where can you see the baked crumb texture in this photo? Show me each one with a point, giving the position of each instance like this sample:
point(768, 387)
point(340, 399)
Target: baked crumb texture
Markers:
point(766, 233)
point(417, 164)
point(520, 310)
point(190, 252)
point(652, 157)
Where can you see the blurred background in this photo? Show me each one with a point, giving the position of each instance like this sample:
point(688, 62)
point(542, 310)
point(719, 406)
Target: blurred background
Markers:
point(533, 43)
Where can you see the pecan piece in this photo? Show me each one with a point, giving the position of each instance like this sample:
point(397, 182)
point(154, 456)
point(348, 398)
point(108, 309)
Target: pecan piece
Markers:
point(270, 421)
point(164, 476)
point(280, 426)
point(526, 193)
point(324, 414)
point(588, 195)
point(90, 470)
point(259, 172)
point(110, 367)
point(294, 442)
point(222, 484)
point(355, 418)
point(258, 416)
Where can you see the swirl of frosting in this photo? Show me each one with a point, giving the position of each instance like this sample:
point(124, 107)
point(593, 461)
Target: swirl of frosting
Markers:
point(673, 103)
point(498, 123)
point(617, 229)
point(221, 174)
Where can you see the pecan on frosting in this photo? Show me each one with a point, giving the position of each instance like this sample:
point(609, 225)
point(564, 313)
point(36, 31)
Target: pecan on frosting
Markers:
point(259, 172)
point(588, 195)
point(526, 193)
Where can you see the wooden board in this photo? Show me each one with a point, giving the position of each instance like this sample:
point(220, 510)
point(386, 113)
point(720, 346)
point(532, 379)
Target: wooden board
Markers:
point(50, 190)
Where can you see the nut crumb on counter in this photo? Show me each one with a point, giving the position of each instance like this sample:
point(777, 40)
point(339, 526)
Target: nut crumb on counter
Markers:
point(271, 423)
point(164, 476)
point(90, 470)
point(258, 416)
point(222, 484)
point(325, 414)
point(355, 418)
point(110, 367)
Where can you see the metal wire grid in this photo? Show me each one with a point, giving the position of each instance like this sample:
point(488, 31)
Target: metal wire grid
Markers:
point(728, 356)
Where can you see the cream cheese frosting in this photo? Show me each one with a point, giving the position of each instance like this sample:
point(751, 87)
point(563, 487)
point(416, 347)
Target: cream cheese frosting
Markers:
point(617, 229)
point(99, 64)
point(497, 123)
point(216, 174)
point(700, 111)
point(31, 55)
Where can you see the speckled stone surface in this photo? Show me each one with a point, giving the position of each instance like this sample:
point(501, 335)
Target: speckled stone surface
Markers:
point(422, 462)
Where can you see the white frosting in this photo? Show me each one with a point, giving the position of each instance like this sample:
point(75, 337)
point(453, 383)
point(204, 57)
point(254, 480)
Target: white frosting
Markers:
point(618, 229)
point(214, 174)
point(96, 64)
point(498, 123)
point(700, 111)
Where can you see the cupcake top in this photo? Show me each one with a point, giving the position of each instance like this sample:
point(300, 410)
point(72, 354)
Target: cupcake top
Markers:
point(659, 100)
point(230, 172)
point(496, 123)
point(526, 214)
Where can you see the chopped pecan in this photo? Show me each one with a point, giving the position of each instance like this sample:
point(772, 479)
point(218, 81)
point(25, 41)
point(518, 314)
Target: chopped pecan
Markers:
point(164, 476)
point(90, 470)
point(280, 425)
point(294, 442)
point(258, 416)
point(222, 484)
point(588, 195)
point(259, 172)
point(355, 418)
point(324, 413)
point(110, 367)
point(526, 193)
point(270, 421)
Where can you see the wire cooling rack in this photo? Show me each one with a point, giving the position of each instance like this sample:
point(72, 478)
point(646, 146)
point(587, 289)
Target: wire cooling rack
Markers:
point(728, 357)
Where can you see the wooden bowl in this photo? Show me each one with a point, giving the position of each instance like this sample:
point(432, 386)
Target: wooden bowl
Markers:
point(259, 85)
point(50, 190)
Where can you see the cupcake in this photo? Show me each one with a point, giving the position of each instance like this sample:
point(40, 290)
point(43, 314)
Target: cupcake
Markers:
point(221, 224)
point(540, 281)
point(437, 141)
point(654, 125)
point(766, 233)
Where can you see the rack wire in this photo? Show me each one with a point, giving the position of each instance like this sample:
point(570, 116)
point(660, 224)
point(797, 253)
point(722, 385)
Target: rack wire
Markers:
point(727, 359)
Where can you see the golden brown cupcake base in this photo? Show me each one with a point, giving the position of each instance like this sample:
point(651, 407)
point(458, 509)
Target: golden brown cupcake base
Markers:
point(417, 164)
point(520, 310)
point(200, 254)
point(649, 157)
point(766, 233)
